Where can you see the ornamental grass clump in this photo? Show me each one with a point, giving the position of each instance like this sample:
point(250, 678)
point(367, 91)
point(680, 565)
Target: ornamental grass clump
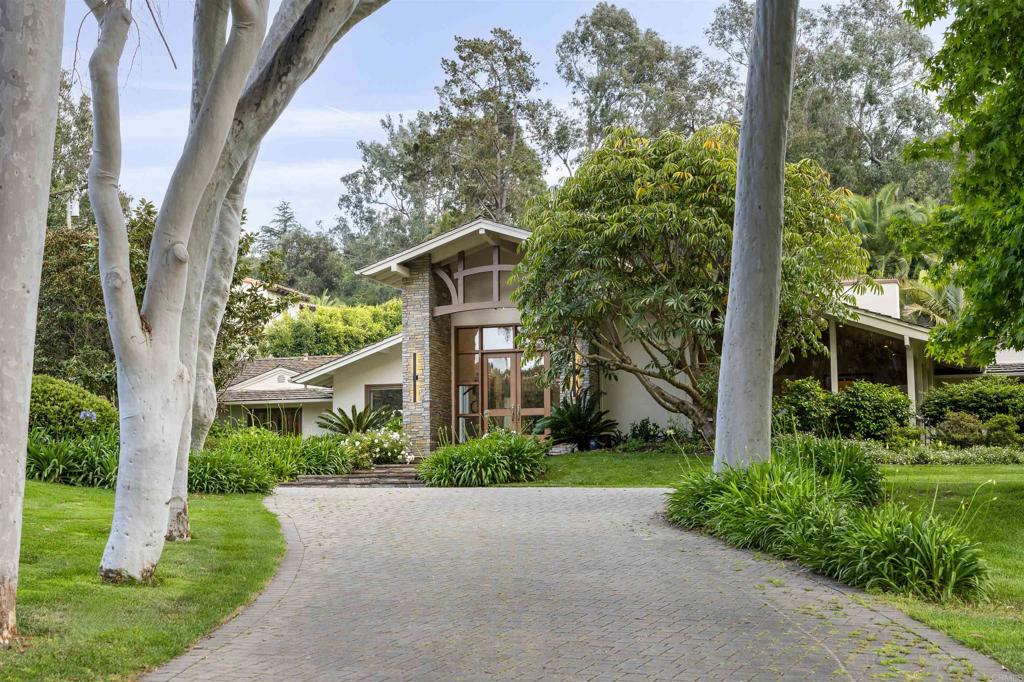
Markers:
point(819, 504)
point(847, 459)
point(497, 458)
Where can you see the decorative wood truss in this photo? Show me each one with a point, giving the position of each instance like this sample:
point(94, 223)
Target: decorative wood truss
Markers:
point(454, 274)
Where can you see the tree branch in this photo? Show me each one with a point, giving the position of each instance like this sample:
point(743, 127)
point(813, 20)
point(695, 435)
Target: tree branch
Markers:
point(165, 288)
point(126, 329)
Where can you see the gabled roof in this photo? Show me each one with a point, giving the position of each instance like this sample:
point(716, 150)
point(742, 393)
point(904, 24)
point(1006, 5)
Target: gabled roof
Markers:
point(257, 367)
point(328, 368)
point(307, 394)
point(391, 270)
point(885, 324)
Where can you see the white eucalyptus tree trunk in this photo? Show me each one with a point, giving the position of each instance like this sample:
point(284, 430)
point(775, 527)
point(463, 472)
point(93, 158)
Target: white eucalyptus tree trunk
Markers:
point(743, 433)
point(31, 32)
point(154, 386)
point(302, 34)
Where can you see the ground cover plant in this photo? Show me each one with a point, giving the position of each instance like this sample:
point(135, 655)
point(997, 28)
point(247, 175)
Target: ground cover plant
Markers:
point(815, 503)
point(238, 460)
point(66, 614)
point(494, 459)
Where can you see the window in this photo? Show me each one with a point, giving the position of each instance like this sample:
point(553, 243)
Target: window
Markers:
point(384, 396)
point(276, 418)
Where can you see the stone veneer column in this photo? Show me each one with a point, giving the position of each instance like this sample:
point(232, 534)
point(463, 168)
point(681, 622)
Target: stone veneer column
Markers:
point(430, 337)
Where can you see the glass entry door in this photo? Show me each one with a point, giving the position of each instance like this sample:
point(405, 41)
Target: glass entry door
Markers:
point(514, 397)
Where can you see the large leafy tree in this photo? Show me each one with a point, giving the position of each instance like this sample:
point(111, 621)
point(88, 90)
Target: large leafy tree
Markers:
point(628, 264)
point(622, 75)
point(978, 78)
point(856, 102)
point(332, 329)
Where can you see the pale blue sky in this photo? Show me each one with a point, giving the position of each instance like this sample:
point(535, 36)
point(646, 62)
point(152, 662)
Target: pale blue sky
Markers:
point(388, 64)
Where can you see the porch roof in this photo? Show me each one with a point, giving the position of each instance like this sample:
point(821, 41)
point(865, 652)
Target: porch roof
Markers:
point(884, 324)
point(391, 270)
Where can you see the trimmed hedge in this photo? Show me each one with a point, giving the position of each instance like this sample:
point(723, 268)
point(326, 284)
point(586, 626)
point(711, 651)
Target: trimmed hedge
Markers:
point(494, 459)
point(984, 398)
point(65, 410)
point(798, 511)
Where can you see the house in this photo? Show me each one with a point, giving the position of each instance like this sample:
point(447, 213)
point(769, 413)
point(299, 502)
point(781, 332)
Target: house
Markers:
point(456, 369)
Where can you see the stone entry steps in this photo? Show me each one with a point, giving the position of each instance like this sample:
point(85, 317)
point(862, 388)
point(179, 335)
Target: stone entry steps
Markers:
point(380, 476)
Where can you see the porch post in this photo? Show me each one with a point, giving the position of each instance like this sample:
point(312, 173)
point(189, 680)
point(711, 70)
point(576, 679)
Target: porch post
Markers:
point(911, 374)
point(833, 355)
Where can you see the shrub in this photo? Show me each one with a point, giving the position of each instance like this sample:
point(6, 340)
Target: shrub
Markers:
point(804, 406)
point(65, 410)
point(328, 455)
point(90, 461)
point(382, 446)
point(496, 458)
point(578, 419)
point(892, 548)
point(359, 421)
point(869, 410)
point(646, 431)
point(1002, 430)
point(846, 459)
point(984, 398)
point(227, 470)
point(792, 510)
point(961, 429)
point(904, 436)
point(939, 454)
point(279, 455)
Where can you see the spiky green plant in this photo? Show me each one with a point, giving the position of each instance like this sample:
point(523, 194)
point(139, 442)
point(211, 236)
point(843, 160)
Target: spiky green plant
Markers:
point(579, 420)
point(357, 421)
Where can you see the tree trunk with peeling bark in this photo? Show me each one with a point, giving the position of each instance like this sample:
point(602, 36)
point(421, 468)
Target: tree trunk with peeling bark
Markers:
point(301, 35)
point(31, 32)
point(743, 433)
point(154, 387)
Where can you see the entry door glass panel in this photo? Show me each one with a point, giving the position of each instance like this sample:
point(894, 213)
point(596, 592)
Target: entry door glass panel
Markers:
point(530, 387)
point(499, 382)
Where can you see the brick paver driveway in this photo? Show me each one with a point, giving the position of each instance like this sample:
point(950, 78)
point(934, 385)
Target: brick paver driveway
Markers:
point(547, 584)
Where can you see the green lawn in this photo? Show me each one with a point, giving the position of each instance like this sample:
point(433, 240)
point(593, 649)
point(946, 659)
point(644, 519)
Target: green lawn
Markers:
point(75, 627)
point(610, 469)
point(995, 627)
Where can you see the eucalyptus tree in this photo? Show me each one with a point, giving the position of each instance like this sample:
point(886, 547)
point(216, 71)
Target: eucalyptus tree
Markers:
point(164, 348)
point(30, 46)
point(752, 314)
point(856, 103)
point(622, 75)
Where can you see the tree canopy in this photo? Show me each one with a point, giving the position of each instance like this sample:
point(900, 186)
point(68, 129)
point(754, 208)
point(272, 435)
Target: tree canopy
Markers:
point(628, 264)
point(332, 330)
point(977, 77)
point(856, 101)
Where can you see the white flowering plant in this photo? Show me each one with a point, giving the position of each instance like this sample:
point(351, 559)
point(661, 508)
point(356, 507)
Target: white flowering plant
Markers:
point(381, 446)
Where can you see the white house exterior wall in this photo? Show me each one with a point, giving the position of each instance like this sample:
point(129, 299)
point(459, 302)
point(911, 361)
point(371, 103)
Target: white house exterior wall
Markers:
point(310, 413)
point(627, 401)
point(350, 381)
